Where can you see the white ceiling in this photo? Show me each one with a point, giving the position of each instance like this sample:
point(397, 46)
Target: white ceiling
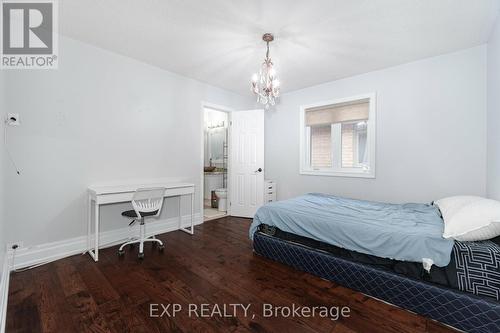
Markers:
point(219, 41)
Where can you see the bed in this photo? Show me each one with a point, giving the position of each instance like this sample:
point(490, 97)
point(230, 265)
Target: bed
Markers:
point(457, 283)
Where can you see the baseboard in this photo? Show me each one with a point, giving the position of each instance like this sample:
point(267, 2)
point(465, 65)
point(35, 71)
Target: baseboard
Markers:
point(47, 252)
point(4, 290)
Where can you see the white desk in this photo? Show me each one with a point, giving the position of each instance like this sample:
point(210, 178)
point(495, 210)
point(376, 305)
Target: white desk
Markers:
point(102, 195)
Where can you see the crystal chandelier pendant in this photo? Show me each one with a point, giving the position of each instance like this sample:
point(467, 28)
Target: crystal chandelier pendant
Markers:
point(265, 84)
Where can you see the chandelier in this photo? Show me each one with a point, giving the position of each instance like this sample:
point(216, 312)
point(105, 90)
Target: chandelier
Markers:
point(265, 84)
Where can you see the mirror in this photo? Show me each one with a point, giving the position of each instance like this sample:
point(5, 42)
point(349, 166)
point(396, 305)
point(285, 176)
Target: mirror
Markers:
point(216, 142)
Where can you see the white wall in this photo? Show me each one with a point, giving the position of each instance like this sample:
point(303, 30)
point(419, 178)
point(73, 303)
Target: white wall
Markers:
point(431, 125)
point(99, 117)
point(2, 183)
point(493, 180)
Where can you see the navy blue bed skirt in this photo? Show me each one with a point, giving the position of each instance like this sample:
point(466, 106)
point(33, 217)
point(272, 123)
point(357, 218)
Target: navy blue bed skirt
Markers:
point(452, 307)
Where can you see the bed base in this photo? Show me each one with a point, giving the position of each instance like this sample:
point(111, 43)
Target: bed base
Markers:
point(461, 310)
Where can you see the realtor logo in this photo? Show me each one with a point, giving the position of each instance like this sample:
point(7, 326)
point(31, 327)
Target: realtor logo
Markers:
point(29, 34)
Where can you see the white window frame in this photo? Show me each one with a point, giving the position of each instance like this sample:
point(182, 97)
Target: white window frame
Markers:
point(337, 170)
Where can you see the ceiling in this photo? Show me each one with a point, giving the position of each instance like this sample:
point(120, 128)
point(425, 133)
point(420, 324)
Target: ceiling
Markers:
point(219, 41)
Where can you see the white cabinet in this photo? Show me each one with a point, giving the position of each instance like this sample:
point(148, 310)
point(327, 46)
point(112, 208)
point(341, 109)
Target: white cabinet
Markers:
point(269, 191)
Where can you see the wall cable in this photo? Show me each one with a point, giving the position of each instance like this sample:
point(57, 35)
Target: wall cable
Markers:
point(7, 147)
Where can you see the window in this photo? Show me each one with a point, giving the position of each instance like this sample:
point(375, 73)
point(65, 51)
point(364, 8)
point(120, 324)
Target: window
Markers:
point(321, 146)
point(338, 138)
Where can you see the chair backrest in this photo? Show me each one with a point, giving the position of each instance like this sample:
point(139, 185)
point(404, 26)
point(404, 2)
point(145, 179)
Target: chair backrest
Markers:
point(147, 200)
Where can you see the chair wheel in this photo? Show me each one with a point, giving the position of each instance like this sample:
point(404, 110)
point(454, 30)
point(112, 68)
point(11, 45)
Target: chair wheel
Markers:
point(140, 256)
point(121, 253)
point(161, 248)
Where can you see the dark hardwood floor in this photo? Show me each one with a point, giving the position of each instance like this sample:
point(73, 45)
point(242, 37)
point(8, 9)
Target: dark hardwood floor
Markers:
point(215, 266)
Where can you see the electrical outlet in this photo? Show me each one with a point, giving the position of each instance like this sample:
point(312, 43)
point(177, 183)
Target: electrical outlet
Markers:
point(10, 246)
point(13, 119)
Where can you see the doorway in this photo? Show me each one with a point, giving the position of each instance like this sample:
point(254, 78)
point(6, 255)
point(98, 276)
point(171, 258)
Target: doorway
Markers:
point(215, 162)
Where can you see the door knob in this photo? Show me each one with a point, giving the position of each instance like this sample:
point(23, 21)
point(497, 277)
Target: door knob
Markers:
point(258, 170)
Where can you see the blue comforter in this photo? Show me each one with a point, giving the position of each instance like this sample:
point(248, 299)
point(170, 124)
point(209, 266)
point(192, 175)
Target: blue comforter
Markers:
point(408, 232)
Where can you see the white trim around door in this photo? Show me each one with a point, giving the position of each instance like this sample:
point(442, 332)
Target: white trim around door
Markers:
point(229, 111)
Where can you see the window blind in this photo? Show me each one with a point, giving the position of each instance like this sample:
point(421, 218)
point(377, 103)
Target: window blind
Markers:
point(338, 113)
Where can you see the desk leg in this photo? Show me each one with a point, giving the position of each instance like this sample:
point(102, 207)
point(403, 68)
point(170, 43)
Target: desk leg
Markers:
point(96, 241)
point(192, 213)
point(89, 222)
point(93, 250)
point(180, 212)
point(189, 230)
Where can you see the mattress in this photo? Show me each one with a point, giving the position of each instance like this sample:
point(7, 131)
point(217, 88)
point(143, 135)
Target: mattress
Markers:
point(406, 232)
point(462, 310)
point(474, 266)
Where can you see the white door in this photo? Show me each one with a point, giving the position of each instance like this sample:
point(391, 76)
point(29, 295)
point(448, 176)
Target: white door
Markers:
point(246, 169)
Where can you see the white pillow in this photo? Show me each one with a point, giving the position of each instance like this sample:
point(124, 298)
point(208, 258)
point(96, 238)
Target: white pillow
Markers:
point(470, 218)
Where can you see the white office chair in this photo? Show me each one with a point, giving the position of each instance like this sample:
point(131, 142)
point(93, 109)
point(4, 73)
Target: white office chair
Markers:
point(147, 202)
